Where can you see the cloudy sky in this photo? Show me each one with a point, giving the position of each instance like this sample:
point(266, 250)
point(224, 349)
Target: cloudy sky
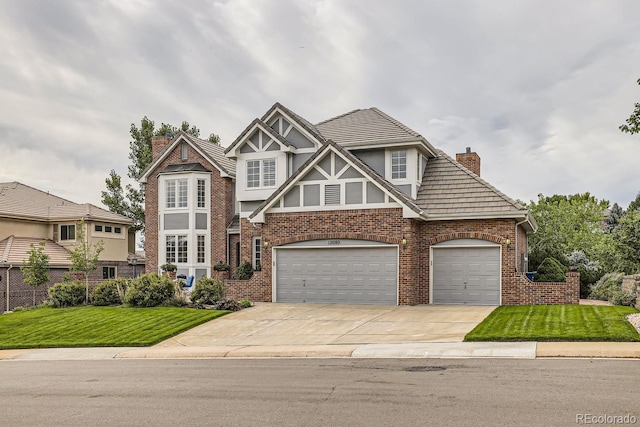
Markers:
point(537, 88)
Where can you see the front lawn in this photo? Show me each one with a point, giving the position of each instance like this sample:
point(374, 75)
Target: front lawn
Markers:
point(556, 323)
point(97, 326)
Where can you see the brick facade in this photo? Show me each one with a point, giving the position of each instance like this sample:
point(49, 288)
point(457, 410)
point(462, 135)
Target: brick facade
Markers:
point(221, 203)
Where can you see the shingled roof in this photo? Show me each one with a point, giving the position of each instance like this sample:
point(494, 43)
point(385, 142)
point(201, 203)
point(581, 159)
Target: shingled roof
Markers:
point(450, 190)
point(367, 127)
point(13, 250)
point(214, 153)
point(21, 201)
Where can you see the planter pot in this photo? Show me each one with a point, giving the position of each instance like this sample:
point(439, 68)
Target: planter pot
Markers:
point(170, 274)
point(222, 275)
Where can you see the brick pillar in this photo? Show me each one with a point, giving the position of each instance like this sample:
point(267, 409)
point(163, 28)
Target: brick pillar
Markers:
point(572, 295)
point(469, 160)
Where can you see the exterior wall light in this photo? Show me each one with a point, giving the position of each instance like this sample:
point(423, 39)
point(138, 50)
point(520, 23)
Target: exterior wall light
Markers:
point(404, 241)
point(508, 241)
point(266, 243)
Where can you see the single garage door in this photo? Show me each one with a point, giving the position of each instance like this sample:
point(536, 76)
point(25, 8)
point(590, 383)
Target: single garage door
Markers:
point(466, 276)
point(337, 275)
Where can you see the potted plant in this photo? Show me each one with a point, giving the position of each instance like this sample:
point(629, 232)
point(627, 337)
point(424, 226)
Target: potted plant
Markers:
point(169, 269)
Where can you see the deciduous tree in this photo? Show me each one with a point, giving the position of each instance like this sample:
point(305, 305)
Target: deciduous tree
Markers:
point(85, 256)
point(35, 270)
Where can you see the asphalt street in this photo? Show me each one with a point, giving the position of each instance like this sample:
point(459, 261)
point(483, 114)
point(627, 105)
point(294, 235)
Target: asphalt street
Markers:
point(316, 392)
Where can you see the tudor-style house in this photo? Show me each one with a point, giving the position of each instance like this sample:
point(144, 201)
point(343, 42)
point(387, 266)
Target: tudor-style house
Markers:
point(30, 216)
point(357, 209)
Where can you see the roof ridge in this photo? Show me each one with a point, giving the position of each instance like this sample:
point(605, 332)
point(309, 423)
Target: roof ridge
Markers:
point(395, 122)
point(48, 193)
point(306, 124)
point(339, 116)
point(481, 181)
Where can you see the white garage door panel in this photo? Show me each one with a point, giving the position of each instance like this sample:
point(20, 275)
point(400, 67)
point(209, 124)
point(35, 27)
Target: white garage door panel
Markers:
point(337, 275)
point(466, 276)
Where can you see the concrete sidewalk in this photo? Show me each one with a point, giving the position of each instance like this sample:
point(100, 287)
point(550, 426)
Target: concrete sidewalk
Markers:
point(514, 350)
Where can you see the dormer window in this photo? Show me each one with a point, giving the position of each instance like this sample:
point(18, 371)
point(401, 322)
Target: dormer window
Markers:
point(398, 164)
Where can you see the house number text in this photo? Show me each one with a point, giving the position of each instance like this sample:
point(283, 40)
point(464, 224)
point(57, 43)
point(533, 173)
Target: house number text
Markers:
point(333, 242)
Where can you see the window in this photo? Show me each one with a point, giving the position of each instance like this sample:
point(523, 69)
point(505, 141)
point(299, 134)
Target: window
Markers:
point(261, 173)
point(98, 227)
point(171, 193)
point(257, 252)
point(68, 232)
point(253, 174)
point(117, 230)
point(398, 164)
point(201, 250)
point(170, 249)
point(108, 273)
point(183, 193)
point(182, 249)
point(269, 173)
point(201, 193)
point(107, 229)
point(184, 151)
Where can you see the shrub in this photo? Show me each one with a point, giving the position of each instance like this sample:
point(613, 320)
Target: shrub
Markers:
point(590, 271)
point(169, 267)
point(67, 294)
point(149, 290)
point(221, 266)
point(551, 270)
point(208, 291)
point(245, 303)
point(227, 304)
point(109, 292)
point(620, 297)
point(607, 286)
point(244, 271)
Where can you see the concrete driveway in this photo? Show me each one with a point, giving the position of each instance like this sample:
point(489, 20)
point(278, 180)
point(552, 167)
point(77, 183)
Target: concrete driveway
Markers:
point(278, 324)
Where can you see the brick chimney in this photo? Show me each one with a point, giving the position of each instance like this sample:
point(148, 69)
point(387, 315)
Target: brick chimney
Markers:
point(158, 145)
point(469, 160)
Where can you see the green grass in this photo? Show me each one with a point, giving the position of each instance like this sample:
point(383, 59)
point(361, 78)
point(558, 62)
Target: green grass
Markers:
point(97, 326)
point(556, 323)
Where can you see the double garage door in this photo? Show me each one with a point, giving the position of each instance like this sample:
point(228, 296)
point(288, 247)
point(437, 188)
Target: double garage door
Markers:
point(468, 275)
point(357, 275)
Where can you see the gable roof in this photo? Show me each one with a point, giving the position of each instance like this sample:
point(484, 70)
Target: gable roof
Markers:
point(210, 151)
point(301, 121)
point(13, 250)
point(257, 123)
point(450, 191)
point(370, 127)
point(24, 202)
point(405, 201)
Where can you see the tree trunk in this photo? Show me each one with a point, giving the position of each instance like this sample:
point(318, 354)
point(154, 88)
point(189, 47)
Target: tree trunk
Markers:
point(86, 296)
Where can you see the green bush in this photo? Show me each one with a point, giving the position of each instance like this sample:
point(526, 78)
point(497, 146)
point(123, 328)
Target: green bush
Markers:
point(620, 297)
point(67, 294)
point(208, 291)
point(221, 266)
point(109, 292)
point(227, 304)
point(149, 290)
point(244, 271)
point(245, 303)
point(607, 286)
point(551, 270)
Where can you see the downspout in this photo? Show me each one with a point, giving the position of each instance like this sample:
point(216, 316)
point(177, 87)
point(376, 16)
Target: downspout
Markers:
point(8, 280)
point(516, 251)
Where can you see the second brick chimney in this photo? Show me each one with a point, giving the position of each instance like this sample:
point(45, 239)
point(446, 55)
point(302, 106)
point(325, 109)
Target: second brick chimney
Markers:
point(158, 144)
point(469, 160)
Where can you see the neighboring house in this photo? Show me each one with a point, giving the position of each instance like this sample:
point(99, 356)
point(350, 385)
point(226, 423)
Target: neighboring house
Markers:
point(356, 209)
point(28, 215)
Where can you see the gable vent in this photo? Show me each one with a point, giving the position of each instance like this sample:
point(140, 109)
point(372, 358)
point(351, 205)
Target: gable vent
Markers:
point(332, 194)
